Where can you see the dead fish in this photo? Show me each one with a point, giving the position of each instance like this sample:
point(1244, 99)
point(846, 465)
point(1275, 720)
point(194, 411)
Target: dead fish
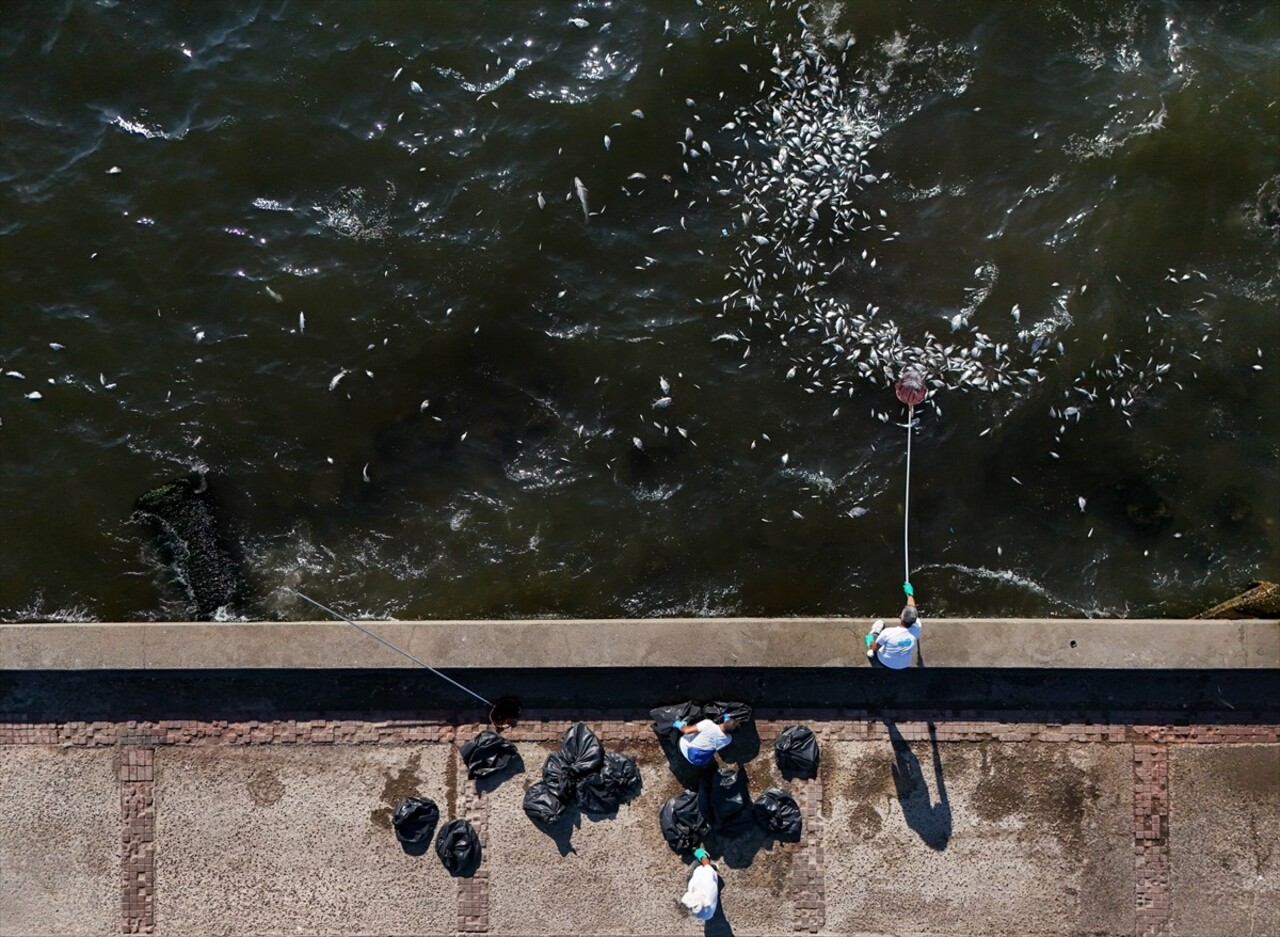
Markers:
point(607, 142)
point(581, 191)
point(302, 322)
point(415, 87)
point(579, 22)
point(665, 385)
point(661, 402)
point(273, 294)
point(637, 113)
point(542, 202)
point(333, 384)
point(1082, 502)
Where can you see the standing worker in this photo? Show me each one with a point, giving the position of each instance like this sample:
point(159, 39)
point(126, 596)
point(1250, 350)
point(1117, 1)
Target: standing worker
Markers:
point(702, 897)
point(699, 743)
point(893, 647)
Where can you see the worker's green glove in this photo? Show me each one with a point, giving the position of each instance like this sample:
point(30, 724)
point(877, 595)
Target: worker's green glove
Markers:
point(870, 638)
point(678, 724)
point(701, 854)
point(906, 587)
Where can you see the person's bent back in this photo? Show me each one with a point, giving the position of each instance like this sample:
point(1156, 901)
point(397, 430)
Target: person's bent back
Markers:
point(699, 743)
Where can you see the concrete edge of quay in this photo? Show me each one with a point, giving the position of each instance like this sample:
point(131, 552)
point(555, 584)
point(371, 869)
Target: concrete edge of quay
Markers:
point(801, 643)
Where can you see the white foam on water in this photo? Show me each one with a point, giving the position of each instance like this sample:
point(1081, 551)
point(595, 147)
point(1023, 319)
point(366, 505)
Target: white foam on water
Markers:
point(1010, 578)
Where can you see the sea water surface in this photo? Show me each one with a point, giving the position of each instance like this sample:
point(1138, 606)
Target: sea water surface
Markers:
point(334, 256)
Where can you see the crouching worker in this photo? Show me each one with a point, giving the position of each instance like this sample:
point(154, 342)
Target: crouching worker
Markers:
point(702, 897)
point(894, 646)
point(700, 742)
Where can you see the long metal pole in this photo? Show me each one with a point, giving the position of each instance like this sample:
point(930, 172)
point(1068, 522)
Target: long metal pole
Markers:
point(382, 640)
point(906, 505)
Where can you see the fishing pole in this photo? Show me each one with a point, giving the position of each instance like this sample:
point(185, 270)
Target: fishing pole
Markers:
point(393, 647)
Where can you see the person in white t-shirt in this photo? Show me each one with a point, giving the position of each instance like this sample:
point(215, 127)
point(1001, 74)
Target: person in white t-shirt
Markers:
point(893, 647)
point(702, 896)
point(699, 743)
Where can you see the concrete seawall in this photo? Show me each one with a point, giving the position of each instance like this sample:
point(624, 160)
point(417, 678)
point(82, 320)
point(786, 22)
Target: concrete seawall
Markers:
point(805, 643)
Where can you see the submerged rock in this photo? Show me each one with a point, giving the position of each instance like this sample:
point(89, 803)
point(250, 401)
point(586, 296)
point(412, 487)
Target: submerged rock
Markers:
point(1260, 600)
point(182, 516)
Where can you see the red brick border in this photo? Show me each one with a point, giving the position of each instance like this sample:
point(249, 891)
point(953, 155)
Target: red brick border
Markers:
point(137, 840)
point(808, 881)
point(1151, 838)
point(473, 805)
point(547, 725)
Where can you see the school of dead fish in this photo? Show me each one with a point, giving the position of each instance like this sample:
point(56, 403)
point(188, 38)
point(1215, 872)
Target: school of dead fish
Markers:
point(806, 156)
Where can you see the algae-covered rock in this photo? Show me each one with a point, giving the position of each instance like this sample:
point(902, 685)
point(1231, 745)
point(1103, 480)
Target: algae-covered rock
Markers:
point(1260, 600)
point(183, 518)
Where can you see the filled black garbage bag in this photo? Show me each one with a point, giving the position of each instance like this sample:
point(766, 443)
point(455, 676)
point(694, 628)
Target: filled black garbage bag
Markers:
point(458, 847)
point(664, 717)
point(777, 812)
point(542, 805)
point(415, 819)
point(487, 753)
point(597, 795)
point(797, 752)
point(582, 750)
point(723, 796)
point(556, 774)
point(616, 781)
point(682, 821)
point(716, 711)
point(622, 774)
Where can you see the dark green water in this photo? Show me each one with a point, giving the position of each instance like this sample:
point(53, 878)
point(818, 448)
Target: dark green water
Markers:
point(183, 185)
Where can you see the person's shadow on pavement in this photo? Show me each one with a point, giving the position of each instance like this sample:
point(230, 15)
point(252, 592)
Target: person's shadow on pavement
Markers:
point(931, 822)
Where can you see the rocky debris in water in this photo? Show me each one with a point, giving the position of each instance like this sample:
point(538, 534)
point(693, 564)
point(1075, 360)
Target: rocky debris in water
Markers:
point(1143, 505)
point(1265, 211)
point(1260, 600)
point(183, 517)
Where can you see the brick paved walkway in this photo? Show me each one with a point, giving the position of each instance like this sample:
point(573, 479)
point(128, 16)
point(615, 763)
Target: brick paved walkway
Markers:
point(1056, 815)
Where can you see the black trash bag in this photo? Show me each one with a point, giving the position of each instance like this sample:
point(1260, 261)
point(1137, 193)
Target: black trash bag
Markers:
point(415, 819)
point(683, 822)
point(557, 776)
point(716, 711)
point(542, 804)
point(777, 812)
point(797, 752)
point(583, 750)
point(622, 774)
point(597, 794)
point(458, 847)
point(723, 796)
point(487, 753)
point(664, 717)
point(616, 781)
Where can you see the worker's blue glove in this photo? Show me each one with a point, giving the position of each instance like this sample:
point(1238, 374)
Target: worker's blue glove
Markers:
point(906, 587)
point(701, 854)
point(726, 717)
point(678, 724)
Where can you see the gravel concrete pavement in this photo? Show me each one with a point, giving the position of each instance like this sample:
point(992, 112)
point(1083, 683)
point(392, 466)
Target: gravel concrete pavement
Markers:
point(925, 823)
